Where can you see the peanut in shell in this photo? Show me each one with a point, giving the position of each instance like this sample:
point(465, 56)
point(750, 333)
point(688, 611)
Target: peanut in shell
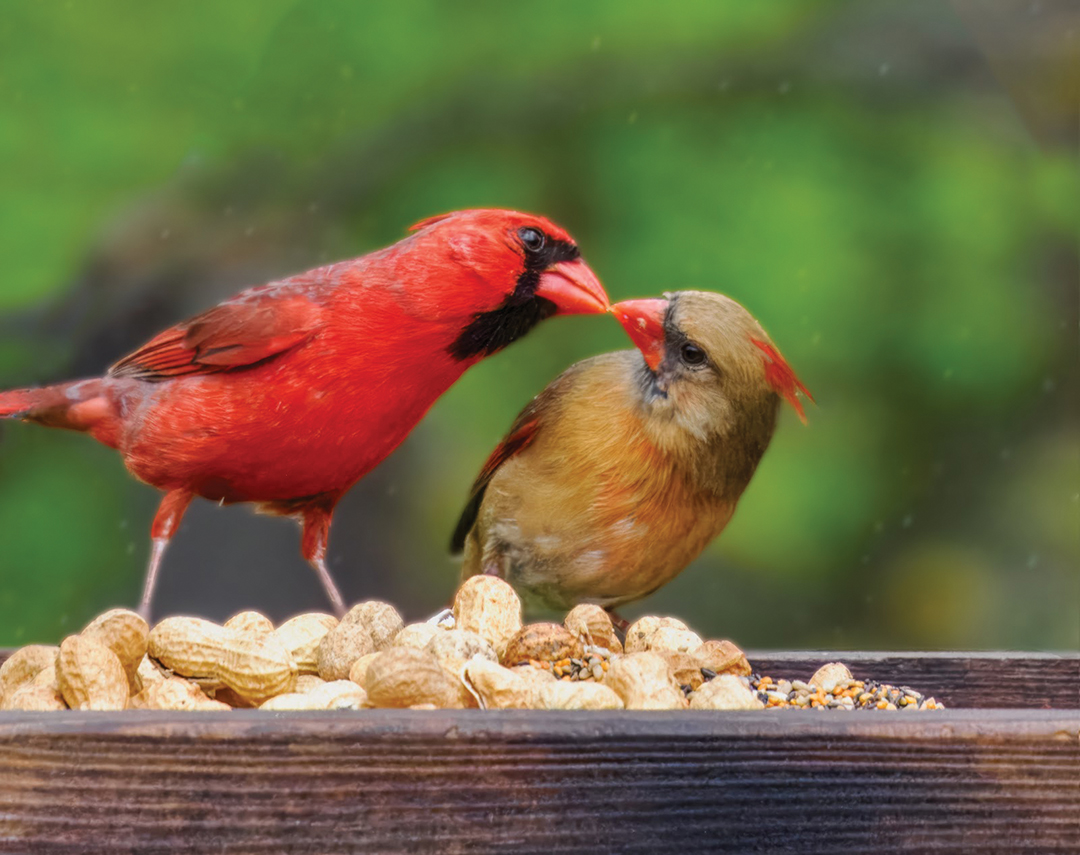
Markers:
point(341, 647)
point(358, 671)
point(644, 682)
point(416, 635)
point(460, 645)
point(641, 631)
point(381, 619)
point(24, 665)
point(125, 633)
point(722, 657)
point(337, 695)
point(34, 697)
point(676, 640)
point(543, 642)
point(301, 637)
point(499, 687)
point(175, 693)
point(249, 621)
point(684, 667)
point(307, 682)
point(90, 675)
point(725, 692)
point(577, 695)
point(403, 676)
point(489, 607)
point(254, 666)
point(592, 624)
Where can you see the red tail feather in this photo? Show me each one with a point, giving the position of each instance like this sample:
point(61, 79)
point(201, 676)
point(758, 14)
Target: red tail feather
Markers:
point(79, 405)
point(16, 402)
point(780, 376)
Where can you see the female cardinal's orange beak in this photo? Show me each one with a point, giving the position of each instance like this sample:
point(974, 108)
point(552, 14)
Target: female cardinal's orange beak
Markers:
point(643, 321)
point(573, 288)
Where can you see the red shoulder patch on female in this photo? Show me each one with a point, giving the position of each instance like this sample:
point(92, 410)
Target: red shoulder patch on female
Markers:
point(520, 437)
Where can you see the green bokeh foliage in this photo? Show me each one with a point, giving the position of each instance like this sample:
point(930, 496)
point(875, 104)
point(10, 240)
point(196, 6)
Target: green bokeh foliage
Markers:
point(905, 242)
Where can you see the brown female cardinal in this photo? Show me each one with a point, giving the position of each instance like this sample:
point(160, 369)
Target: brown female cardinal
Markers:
point(621, 471)
point(288, 393)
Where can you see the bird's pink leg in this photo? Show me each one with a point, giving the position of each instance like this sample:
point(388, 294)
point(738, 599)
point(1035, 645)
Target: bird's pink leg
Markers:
point(316, 524)
point(166, 521)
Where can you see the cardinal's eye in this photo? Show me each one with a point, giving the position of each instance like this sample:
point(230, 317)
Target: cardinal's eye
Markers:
point(531, 239)
point(691, 354)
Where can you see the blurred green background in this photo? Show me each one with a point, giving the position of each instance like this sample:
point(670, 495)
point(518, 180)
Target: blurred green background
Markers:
point(890, 188)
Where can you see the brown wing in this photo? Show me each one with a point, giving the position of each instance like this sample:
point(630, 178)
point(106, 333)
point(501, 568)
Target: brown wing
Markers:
point(253, 327)
point(521, 435)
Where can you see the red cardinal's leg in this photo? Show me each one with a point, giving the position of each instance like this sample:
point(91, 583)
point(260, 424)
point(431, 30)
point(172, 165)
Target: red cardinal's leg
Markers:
point(316, 532)
point(166, 521)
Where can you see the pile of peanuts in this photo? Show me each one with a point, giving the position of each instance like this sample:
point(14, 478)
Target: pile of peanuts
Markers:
point(482, 657)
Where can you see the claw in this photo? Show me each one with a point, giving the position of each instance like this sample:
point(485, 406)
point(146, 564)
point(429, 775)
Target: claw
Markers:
point(443, 619)
point(618, 621)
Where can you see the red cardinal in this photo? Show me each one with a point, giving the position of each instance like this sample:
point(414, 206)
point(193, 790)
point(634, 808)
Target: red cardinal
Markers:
point(620, 472)
point(288, 393)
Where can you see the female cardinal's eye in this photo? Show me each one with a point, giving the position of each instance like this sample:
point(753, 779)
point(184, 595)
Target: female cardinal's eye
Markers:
point(531, 239)
point(692, 354)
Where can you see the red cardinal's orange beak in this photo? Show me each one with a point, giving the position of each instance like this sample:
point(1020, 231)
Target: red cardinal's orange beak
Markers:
point(573, 288)
point(643, 321)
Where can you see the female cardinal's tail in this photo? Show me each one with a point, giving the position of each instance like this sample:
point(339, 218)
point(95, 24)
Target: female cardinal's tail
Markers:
point(81, 405)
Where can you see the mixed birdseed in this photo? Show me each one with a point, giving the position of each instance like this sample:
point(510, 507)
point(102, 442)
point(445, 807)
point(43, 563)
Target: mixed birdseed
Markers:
point(592, 666)
point(831, 688)
point(845, 695)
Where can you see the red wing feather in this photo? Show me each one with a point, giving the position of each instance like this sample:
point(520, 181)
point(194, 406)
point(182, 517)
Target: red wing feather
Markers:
point(518, 440)
point(232, 335)
point(520, 437)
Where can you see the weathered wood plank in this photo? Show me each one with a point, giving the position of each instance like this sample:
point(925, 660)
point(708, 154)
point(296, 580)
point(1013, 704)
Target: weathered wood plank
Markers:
point(463, 781)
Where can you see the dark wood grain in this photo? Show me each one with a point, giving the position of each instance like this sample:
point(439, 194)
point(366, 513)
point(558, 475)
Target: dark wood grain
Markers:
point(464, 781)
point(962, 780)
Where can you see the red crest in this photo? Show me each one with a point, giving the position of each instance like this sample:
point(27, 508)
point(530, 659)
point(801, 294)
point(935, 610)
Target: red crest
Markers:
point(780, 376)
